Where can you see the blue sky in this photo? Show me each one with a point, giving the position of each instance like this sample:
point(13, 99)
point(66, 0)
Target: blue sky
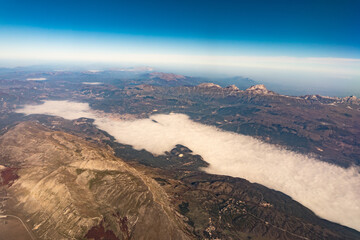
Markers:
point(330, 28)
point(243, 37)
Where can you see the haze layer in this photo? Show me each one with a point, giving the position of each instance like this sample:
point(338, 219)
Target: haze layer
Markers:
point(330, 191)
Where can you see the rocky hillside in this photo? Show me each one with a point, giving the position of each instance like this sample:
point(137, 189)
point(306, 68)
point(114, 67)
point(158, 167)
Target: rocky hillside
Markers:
point(68, 188)
point(65, 187)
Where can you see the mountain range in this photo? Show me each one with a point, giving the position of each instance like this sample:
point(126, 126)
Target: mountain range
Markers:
point(68, 179)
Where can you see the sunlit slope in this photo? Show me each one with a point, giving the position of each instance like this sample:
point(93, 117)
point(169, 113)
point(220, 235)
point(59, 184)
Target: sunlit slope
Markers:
point(66, 187)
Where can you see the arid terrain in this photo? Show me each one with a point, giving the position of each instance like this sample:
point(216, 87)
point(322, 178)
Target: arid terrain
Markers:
point(66, 179)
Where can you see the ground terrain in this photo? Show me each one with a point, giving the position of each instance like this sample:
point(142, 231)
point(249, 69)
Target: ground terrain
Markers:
point(66, 179)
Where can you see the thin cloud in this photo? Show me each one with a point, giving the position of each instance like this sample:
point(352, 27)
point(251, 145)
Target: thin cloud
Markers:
point(310, 64)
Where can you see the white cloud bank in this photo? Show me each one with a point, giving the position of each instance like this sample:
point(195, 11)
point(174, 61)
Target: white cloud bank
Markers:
point(330, 191)
point(36, 79)
point(92, 83)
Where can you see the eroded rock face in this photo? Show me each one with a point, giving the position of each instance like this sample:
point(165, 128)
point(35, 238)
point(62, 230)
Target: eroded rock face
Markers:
point(67, 187)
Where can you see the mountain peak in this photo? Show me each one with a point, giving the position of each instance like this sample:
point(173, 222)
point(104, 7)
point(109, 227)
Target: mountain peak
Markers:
point(166, 76)
point(209, 85)
point(331, 100)
point(259, 89)
point(233, 87)
point(351, 99)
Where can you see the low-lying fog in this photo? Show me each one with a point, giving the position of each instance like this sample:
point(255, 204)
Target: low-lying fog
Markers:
point(330, 191)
